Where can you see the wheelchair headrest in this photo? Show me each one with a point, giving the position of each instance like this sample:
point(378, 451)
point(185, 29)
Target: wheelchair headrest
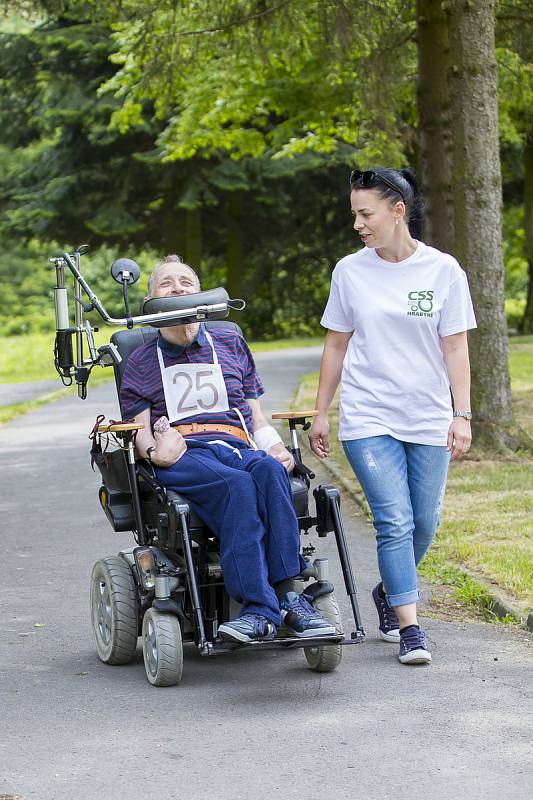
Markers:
point(211, 297)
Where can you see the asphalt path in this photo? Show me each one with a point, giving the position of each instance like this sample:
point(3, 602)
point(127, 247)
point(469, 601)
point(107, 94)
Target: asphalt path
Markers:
point(242, 726)
point(12, 393)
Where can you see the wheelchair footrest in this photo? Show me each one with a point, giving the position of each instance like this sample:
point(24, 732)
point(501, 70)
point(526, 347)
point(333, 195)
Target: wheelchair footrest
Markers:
point(221, 646)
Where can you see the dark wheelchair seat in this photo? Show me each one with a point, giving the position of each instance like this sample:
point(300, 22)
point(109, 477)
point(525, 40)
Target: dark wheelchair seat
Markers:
point(127, 341)
point(116, 491)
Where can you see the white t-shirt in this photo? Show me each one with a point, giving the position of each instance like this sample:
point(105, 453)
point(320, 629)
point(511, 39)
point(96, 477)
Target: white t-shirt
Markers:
point(394, 379)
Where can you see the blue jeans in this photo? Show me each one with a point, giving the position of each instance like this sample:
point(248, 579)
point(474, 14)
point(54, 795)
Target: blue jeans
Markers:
point(404, 485)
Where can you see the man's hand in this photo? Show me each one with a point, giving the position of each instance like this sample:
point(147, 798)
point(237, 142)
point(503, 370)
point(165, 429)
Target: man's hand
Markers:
point(459, 437)
point(319, 436)
point(170, 447)
point(281, 454)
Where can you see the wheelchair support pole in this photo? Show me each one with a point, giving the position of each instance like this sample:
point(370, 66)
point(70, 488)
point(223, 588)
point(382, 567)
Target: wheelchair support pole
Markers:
point(344, 557)
point(134, 486)
point(193, 583)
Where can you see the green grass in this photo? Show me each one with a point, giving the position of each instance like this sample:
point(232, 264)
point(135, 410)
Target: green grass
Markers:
point(285, 344)
point(521, 369)
point(521, 339)
point(31, 357)
point(487, 521)
point(466, 589)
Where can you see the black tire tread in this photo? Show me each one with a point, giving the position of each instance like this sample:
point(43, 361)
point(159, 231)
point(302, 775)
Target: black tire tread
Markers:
point(170, 650)
point(123, 598)
point(326, 659)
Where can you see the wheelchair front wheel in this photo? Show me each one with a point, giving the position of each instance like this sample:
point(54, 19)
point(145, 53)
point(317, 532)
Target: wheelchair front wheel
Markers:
point(326, 659)
point(162, 648)
point(114, 610)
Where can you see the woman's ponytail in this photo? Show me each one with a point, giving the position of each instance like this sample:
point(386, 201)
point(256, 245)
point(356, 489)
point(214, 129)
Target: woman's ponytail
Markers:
point(416, 212)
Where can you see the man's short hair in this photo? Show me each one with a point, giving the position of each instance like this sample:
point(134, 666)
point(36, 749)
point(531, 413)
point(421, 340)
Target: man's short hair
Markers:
point(171, 259)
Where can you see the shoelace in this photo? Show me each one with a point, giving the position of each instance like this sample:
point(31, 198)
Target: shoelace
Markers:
point(302, 604)
point(413, 639)
point(257, 624)
point(389, 614)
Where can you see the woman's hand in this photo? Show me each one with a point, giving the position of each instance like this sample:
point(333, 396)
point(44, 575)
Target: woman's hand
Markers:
point(170, 447)
point(459, 437)
point(319, 436)
point(281, 454)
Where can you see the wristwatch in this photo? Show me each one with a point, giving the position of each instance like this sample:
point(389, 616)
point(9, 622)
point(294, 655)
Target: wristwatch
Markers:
point(465, 414)
point(149, 453)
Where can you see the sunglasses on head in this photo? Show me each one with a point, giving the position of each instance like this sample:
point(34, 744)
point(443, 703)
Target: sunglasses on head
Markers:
point(369, 178)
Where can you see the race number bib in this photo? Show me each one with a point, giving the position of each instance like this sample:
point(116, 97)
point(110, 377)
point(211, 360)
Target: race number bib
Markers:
point(192, 389)
point(195, 388)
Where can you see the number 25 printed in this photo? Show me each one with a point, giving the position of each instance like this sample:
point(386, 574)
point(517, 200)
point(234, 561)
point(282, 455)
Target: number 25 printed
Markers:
point(201, 386)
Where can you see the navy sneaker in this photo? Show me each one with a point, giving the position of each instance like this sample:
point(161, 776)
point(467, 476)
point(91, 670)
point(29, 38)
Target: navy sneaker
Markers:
point(389, 627)
point(248, 628)
point(413, 646)
point(299, 618)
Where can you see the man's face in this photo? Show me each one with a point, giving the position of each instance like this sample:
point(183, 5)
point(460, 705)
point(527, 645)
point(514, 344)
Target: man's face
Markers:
point(174, 279)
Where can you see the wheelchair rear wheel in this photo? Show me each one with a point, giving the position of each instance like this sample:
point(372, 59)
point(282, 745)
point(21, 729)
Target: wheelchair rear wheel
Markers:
point(326, 659)
point(114, 610)
point(162, 648)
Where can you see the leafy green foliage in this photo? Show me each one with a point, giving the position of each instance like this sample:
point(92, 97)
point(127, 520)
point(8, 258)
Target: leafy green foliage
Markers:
point(300, 76)
point(68, 176)
point(223, 131)
point(27, 282)
point(513, 253)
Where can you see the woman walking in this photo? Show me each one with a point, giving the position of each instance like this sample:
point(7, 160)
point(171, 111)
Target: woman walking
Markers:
point(397, 317)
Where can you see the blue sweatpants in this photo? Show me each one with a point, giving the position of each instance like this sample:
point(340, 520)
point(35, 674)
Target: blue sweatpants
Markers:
point(244, 497)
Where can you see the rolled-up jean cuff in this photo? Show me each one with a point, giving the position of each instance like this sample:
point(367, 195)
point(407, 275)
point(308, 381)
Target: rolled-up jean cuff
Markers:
point(403, 599)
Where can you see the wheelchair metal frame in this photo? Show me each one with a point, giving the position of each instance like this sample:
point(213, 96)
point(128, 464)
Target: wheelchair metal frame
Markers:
point(169, 532)
point(181, 566)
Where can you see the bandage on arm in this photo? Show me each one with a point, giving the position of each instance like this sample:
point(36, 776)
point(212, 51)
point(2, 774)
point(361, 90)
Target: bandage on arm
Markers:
point(266, 437)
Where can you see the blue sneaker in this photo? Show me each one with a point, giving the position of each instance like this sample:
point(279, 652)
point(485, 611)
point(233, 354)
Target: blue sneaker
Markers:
point(299, 618)
point(413, 647)
point(248, 628)
point(389, 626)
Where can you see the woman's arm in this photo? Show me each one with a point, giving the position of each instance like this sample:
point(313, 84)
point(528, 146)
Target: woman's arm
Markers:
point(455, 352)
point(330, 374)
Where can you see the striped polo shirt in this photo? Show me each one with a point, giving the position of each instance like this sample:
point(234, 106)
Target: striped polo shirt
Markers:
point(142, 386)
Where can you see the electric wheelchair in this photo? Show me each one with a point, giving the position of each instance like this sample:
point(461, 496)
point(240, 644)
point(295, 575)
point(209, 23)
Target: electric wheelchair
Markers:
point(168, 589)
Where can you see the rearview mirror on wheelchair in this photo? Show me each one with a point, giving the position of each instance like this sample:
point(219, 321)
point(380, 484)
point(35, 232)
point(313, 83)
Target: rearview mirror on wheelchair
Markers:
point(169, 588)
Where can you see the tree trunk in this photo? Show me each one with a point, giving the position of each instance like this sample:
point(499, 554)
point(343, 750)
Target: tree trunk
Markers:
point(235, 248)
point(193, 238)
point(433, 100)
point(173, 237)
point(526, 324)
point(477, 209)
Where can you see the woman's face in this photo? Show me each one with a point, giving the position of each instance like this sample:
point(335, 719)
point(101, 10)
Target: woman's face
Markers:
point(375, 219)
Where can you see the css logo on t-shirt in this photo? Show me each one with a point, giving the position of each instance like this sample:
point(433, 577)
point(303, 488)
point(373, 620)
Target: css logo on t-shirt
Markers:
point(420, 303)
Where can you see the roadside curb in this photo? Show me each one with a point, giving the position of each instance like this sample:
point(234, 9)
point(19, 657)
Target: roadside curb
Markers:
point(499, 605)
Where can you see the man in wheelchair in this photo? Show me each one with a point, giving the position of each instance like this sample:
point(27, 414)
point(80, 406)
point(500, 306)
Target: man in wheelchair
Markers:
point(220, 452)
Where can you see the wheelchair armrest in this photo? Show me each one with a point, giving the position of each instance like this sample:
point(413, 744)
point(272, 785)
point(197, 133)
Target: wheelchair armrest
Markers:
point(296, 415)
point(119, 427)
